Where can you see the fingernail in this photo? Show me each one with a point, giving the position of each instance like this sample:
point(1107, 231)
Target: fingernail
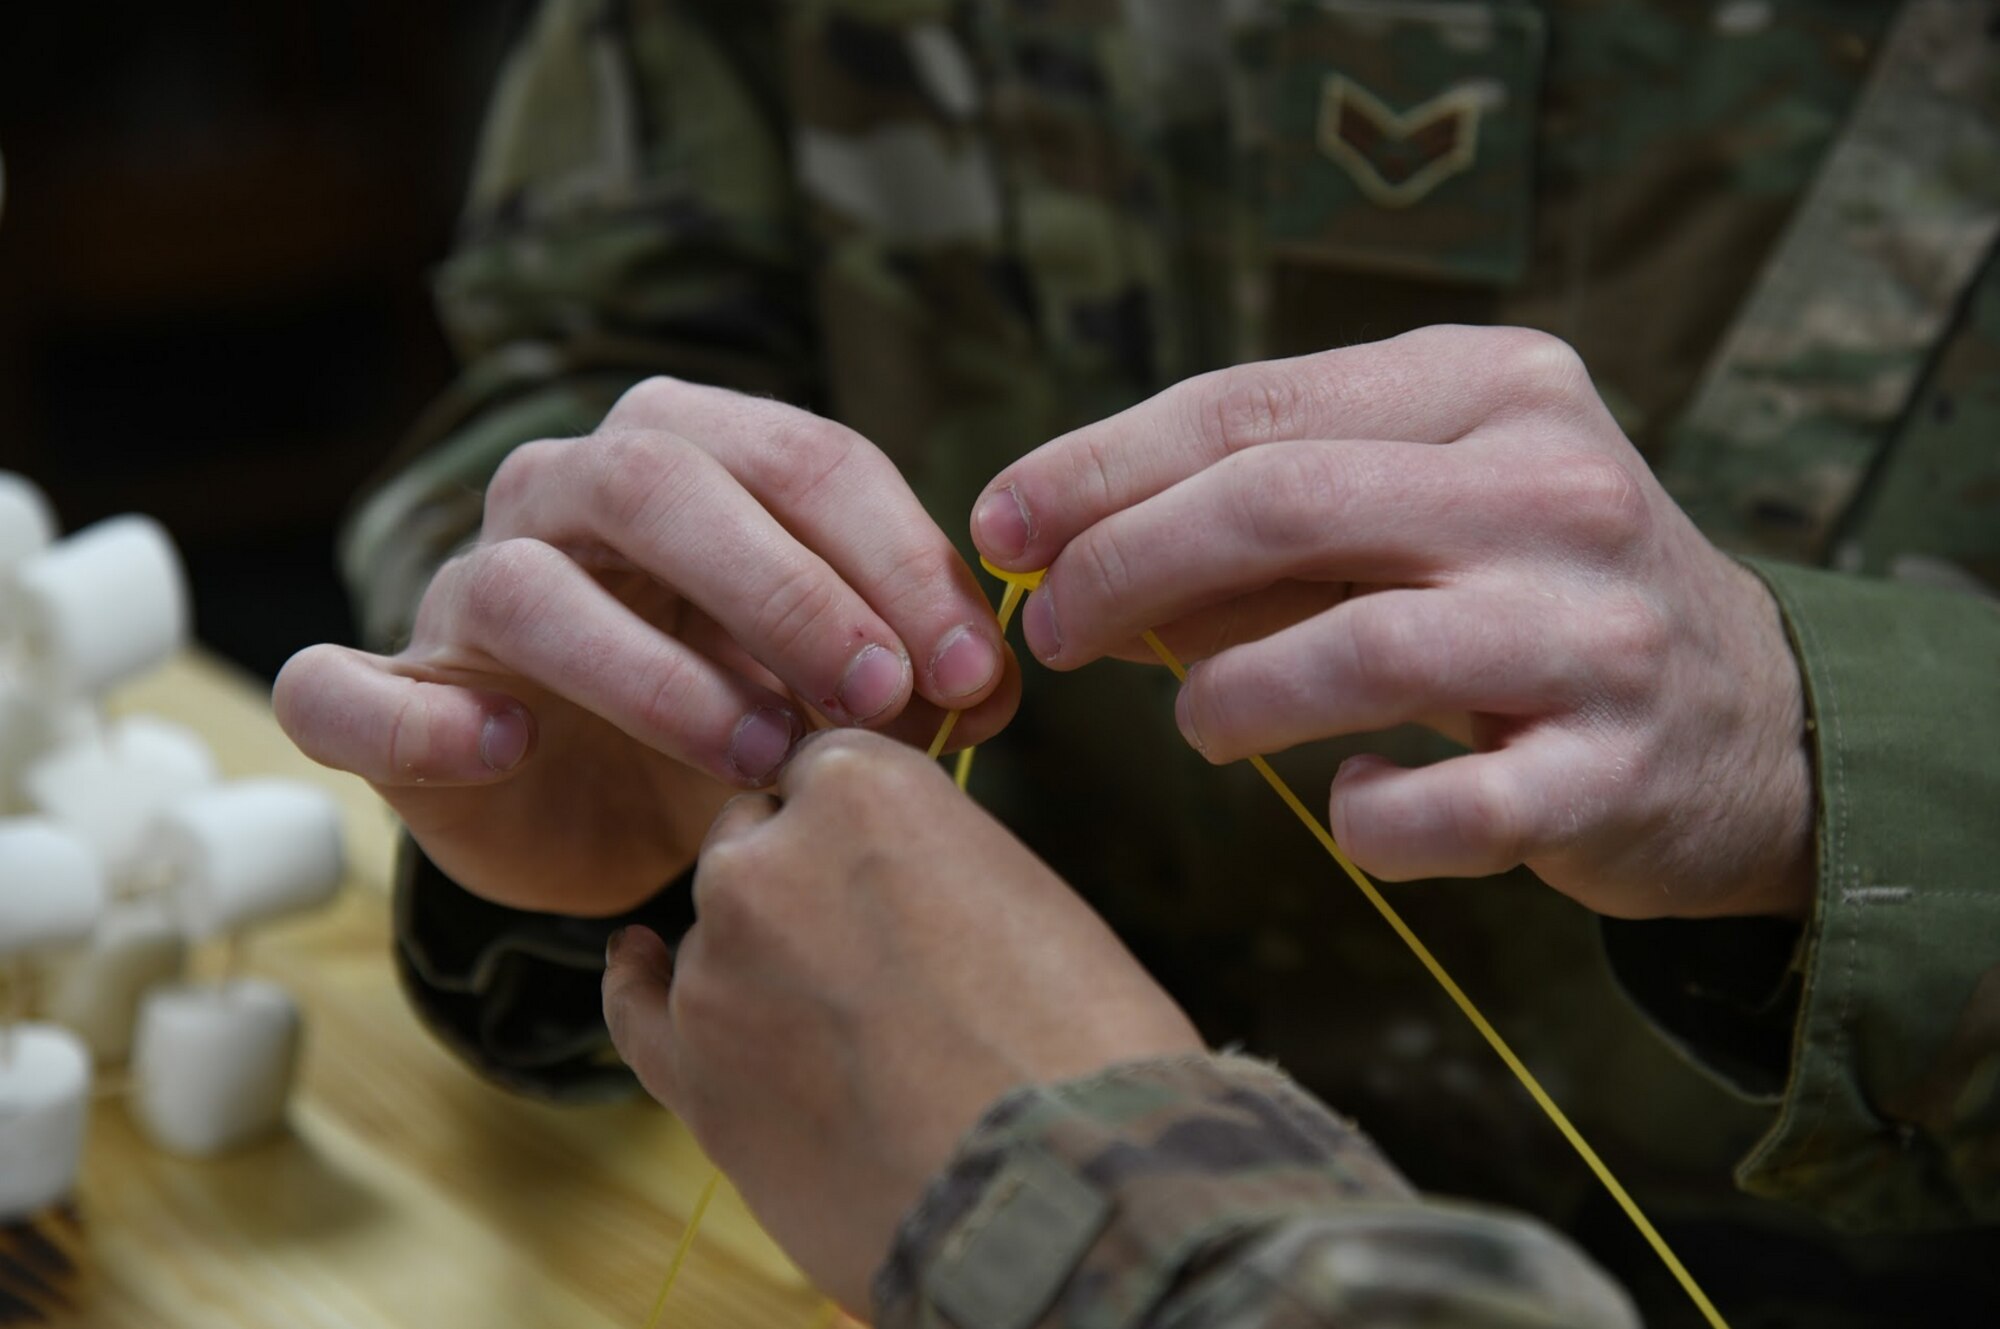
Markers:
point(503, 739)
point(1038, 624)
point(874, 678)
point(963, 663)
point(611, 944)
point(1184, 717)
point(759, 745)
point(1000, 523)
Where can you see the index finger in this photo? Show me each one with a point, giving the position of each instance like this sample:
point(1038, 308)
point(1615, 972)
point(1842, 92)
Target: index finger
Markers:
point(815, 475)
point(1434, 385)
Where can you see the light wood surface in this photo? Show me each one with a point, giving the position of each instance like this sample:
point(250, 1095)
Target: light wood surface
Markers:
point(405, 1191)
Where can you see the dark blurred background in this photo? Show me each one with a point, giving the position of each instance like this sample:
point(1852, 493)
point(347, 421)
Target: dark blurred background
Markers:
point(219, 220)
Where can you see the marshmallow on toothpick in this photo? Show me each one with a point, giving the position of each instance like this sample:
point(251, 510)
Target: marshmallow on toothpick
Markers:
point(105, 605)
point(44, 1106)
point(51, 887)
point(51, 891)
point(212, 1067)
point(24, 737)
point(249, 851)
point(110, 790)
point(95, 991)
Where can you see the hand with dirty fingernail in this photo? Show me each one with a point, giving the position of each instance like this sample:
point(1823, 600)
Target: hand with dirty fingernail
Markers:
point(652, 618)
point(1447, 528)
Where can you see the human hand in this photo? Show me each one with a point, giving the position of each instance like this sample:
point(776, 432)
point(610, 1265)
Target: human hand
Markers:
point(874, 961)
point(648, 621)
point(1447, 527)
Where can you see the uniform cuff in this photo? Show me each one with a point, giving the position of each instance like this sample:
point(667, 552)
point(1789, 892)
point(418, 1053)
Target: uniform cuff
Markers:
point(513, 993)
point(1886, 1117)
point(1097, 1192)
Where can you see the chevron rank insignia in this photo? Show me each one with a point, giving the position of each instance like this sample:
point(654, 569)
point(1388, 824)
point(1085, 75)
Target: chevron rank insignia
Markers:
point(1396, 158)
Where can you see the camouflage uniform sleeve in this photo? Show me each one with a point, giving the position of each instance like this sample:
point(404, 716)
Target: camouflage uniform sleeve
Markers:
point(1875, 1031)
point(1211, 1192)
point(631, 213)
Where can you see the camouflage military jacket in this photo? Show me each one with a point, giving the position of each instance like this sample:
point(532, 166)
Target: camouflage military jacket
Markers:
point(963, 226)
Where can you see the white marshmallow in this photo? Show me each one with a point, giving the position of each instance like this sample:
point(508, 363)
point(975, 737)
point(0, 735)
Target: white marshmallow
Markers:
point(110, 790)
point(31, 729)
point(212, 1067)
point(24, 736)
point(51, 887)
point(96, 991)
point(249, 851)
point(44, 1109)
point(105, 605)
point(27, 522)
point(162, 745)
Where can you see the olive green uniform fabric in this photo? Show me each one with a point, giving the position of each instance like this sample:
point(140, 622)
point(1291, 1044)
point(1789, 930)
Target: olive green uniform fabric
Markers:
point(963, 228)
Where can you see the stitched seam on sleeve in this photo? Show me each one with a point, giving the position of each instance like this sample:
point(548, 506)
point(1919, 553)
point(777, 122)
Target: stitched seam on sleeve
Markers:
point(1840, 876)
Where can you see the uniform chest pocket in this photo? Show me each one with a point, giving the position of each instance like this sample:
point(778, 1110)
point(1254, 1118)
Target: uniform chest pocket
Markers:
point(1395, 135)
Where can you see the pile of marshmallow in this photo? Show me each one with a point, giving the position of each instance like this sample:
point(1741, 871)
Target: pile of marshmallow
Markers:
point(119, 849)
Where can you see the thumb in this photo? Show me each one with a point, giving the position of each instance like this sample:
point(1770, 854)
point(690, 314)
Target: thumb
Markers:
point(347, 709)
point(638, 979)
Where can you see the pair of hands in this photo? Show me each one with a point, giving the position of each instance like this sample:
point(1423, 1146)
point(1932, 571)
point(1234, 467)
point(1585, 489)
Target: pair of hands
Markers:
point(1446, 528)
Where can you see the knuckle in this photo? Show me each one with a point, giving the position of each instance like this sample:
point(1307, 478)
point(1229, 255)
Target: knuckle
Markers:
point(917, 577)
point(1600, 503)
point(733, 904)
point(729, 869)
point(1538, 367)
point(1093, 471)
point(796, 611)
point(516, 478)
point(804, 453)
point(439, 603)
point(1488, 812)
point(1101, 569)
point(647, 402)
point(670, 702)
point(629, 471)
point(853, 775)
point(1629, 635)
point(837, 759)
point(1251, 405)
point(499, 586)
point(1388, 649)
point(1287, 497)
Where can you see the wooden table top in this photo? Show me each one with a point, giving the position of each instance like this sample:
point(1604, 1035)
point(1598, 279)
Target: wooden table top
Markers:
point(405, 1192)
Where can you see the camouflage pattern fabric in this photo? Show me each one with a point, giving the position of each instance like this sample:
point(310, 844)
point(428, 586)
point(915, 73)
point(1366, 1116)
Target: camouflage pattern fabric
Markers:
point(963, 226)
point(1082, 1204)
point(1828, 347)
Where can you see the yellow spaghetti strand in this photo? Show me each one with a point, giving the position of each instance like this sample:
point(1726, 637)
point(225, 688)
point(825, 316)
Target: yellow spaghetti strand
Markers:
point(687, 1244)
point(1479, 1021)
point(1018, 585)
point(944, 732)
